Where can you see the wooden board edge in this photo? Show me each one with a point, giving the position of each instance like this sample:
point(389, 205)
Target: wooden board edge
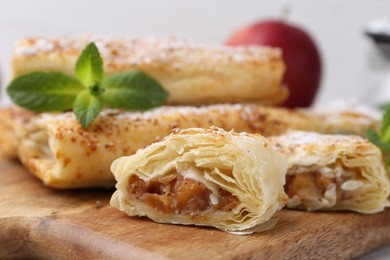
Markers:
point(51, 238)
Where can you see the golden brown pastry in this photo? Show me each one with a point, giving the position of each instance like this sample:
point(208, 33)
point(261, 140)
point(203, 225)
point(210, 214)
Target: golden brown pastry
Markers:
point(192, 73)
point(333, 172)
point(206, 177)
point(347, 117)
point(63, 155)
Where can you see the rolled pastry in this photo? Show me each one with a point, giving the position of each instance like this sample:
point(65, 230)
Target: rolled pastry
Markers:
point(63, 155)
point(353, 119)
point(207, 177)
point(333, 172)
point(192, 73)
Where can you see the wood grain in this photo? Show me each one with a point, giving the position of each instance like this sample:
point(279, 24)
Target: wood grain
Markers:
point(39, 222)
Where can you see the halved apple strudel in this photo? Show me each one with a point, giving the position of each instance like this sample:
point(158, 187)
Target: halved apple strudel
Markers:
point(333, 172)
point(207, 177)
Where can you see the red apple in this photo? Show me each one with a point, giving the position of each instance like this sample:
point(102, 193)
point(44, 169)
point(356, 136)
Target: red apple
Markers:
point(300, 54)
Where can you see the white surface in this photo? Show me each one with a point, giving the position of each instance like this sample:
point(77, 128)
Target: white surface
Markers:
point(351, 67)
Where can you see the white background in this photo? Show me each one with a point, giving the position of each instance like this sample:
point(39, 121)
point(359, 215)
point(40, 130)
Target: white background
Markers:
point(337, 26)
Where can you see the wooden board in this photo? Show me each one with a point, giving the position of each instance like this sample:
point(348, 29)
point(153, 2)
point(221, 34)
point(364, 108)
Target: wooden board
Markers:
point(38, 222)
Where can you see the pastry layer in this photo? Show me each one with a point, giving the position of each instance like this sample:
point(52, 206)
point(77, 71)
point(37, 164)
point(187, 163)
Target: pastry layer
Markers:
point(208, 177)
point(333, 172)
point(192, 73)
point(63, 155)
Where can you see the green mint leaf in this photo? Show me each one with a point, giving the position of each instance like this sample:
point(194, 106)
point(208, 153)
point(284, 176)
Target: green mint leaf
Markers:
point(89, 66)
point(385, 126)
point(44, 91)
point(374, 138)
point(87, 107)
point(133, 90)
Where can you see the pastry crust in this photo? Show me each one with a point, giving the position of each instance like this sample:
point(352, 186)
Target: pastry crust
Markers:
point(63, 155)
point(207, 177)
point(192, 73)
point(347, 117)
point(333, 172)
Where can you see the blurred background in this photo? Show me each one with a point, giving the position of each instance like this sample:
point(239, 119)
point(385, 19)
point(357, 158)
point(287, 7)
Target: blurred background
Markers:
point(352, 68)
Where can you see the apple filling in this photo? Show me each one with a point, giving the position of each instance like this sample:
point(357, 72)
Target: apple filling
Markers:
point(175, 193)
point(315, 187)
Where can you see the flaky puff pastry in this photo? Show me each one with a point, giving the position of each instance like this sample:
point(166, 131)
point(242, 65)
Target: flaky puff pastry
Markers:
point(244, 117)
point(64, 155)
point(56, 149)
point(347, 117)
point(208, 177)
point(333, 172)
point(192, 73)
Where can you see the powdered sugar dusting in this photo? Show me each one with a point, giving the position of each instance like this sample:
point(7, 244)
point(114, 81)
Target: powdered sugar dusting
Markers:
point(164, 110)
point(348, 107)
point(303, 139)
point(40, 45)
point(149, 114)
point(146, 49)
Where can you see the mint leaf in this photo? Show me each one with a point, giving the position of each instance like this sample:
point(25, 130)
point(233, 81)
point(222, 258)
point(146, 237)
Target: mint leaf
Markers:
point(374, 138)
point(133, 90)
point(385, 127)
point(89, 66)
point(86, 107)
point(44, 91)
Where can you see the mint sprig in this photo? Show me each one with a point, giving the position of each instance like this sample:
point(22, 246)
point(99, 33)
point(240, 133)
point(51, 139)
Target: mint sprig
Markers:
point(89, 92)
point(382, 139)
